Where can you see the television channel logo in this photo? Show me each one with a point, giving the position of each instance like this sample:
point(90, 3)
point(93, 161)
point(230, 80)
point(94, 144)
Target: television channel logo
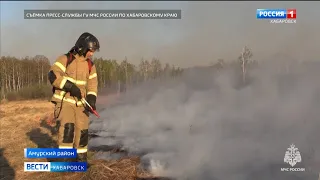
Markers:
point(283, 16)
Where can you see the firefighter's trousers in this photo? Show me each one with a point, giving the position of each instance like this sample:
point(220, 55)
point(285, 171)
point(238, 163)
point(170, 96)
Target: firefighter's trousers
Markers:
point(73, 129)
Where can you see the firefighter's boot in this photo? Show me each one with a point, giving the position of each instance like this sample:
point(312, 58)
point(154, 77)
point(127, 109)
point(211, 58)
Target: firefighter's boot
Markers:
point(83, 157)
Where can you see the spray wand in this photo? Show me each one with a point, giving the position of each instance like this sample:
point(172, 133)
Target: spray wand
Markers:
point(92, 110)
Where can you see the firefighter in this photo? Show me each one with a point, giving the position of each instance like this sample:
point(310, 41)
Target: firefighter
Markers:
point(73, 77)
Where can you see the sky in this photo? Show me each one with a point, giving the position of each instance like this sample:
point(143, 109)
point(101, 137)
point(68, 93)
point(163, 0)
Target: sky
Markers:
point(207, 31)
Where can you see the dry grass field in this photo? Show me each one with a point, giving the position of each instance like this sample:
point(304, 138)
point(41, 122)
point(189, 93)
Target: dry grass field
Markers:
point(24, 124)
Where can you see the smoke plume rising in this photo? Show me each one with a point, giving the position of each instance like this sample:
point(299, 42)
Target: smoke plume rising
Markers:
point(204, 126)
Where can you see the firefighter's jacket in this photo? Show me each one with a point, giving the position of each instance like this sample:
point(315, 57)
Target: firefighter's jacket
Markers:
point(78, 73)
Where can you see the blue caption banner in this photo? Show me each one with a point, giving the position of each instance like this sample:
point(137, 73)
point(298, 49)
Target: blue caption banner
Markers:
point(55, 166)
point(49, 153)
point(68, 167)
point(271, 13)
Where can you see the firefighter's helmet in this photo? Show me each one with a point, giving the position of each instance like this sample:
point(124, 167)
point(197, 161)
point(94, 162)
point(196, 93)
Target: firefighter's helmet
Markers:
point(86, 42)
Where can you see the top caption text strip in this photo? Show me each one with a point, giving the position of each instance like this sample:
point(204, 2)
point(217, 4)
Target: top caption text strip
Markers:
point(102, 14)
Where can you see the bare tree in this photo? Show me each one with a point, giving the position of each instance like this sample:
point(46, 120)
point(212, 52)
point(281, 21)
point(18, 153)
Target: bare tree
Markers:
point(244, 58)
point(126, 70)
point(156, 68)
point(2, 76)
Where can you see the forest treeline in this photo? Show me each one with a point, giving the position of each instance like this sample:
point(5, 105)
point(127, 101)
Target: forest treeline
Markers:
point(27, 78)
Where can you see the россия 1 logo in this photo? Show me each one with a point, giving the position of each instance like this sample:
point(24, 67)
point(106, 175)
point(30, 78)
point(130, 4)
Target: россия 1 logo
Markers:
point(287, 16)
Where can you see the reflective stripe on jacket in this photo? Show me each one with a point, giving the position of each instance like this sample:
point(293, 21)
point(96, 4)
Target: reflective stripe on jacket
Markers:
point(76, 72)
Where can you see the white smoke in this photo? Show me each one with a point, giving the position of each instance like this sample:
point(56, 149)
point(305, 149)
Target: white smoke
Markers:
point(202, 126)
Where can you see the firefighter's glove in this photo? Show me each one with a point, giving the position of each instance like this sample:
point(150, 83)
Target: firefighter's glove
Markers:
point(91, 99)
point(73, 89)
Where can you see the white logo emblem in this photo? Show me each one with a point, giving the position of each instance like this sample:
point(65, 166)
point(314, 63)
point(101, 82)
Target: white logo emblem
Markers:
point(292, 155)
